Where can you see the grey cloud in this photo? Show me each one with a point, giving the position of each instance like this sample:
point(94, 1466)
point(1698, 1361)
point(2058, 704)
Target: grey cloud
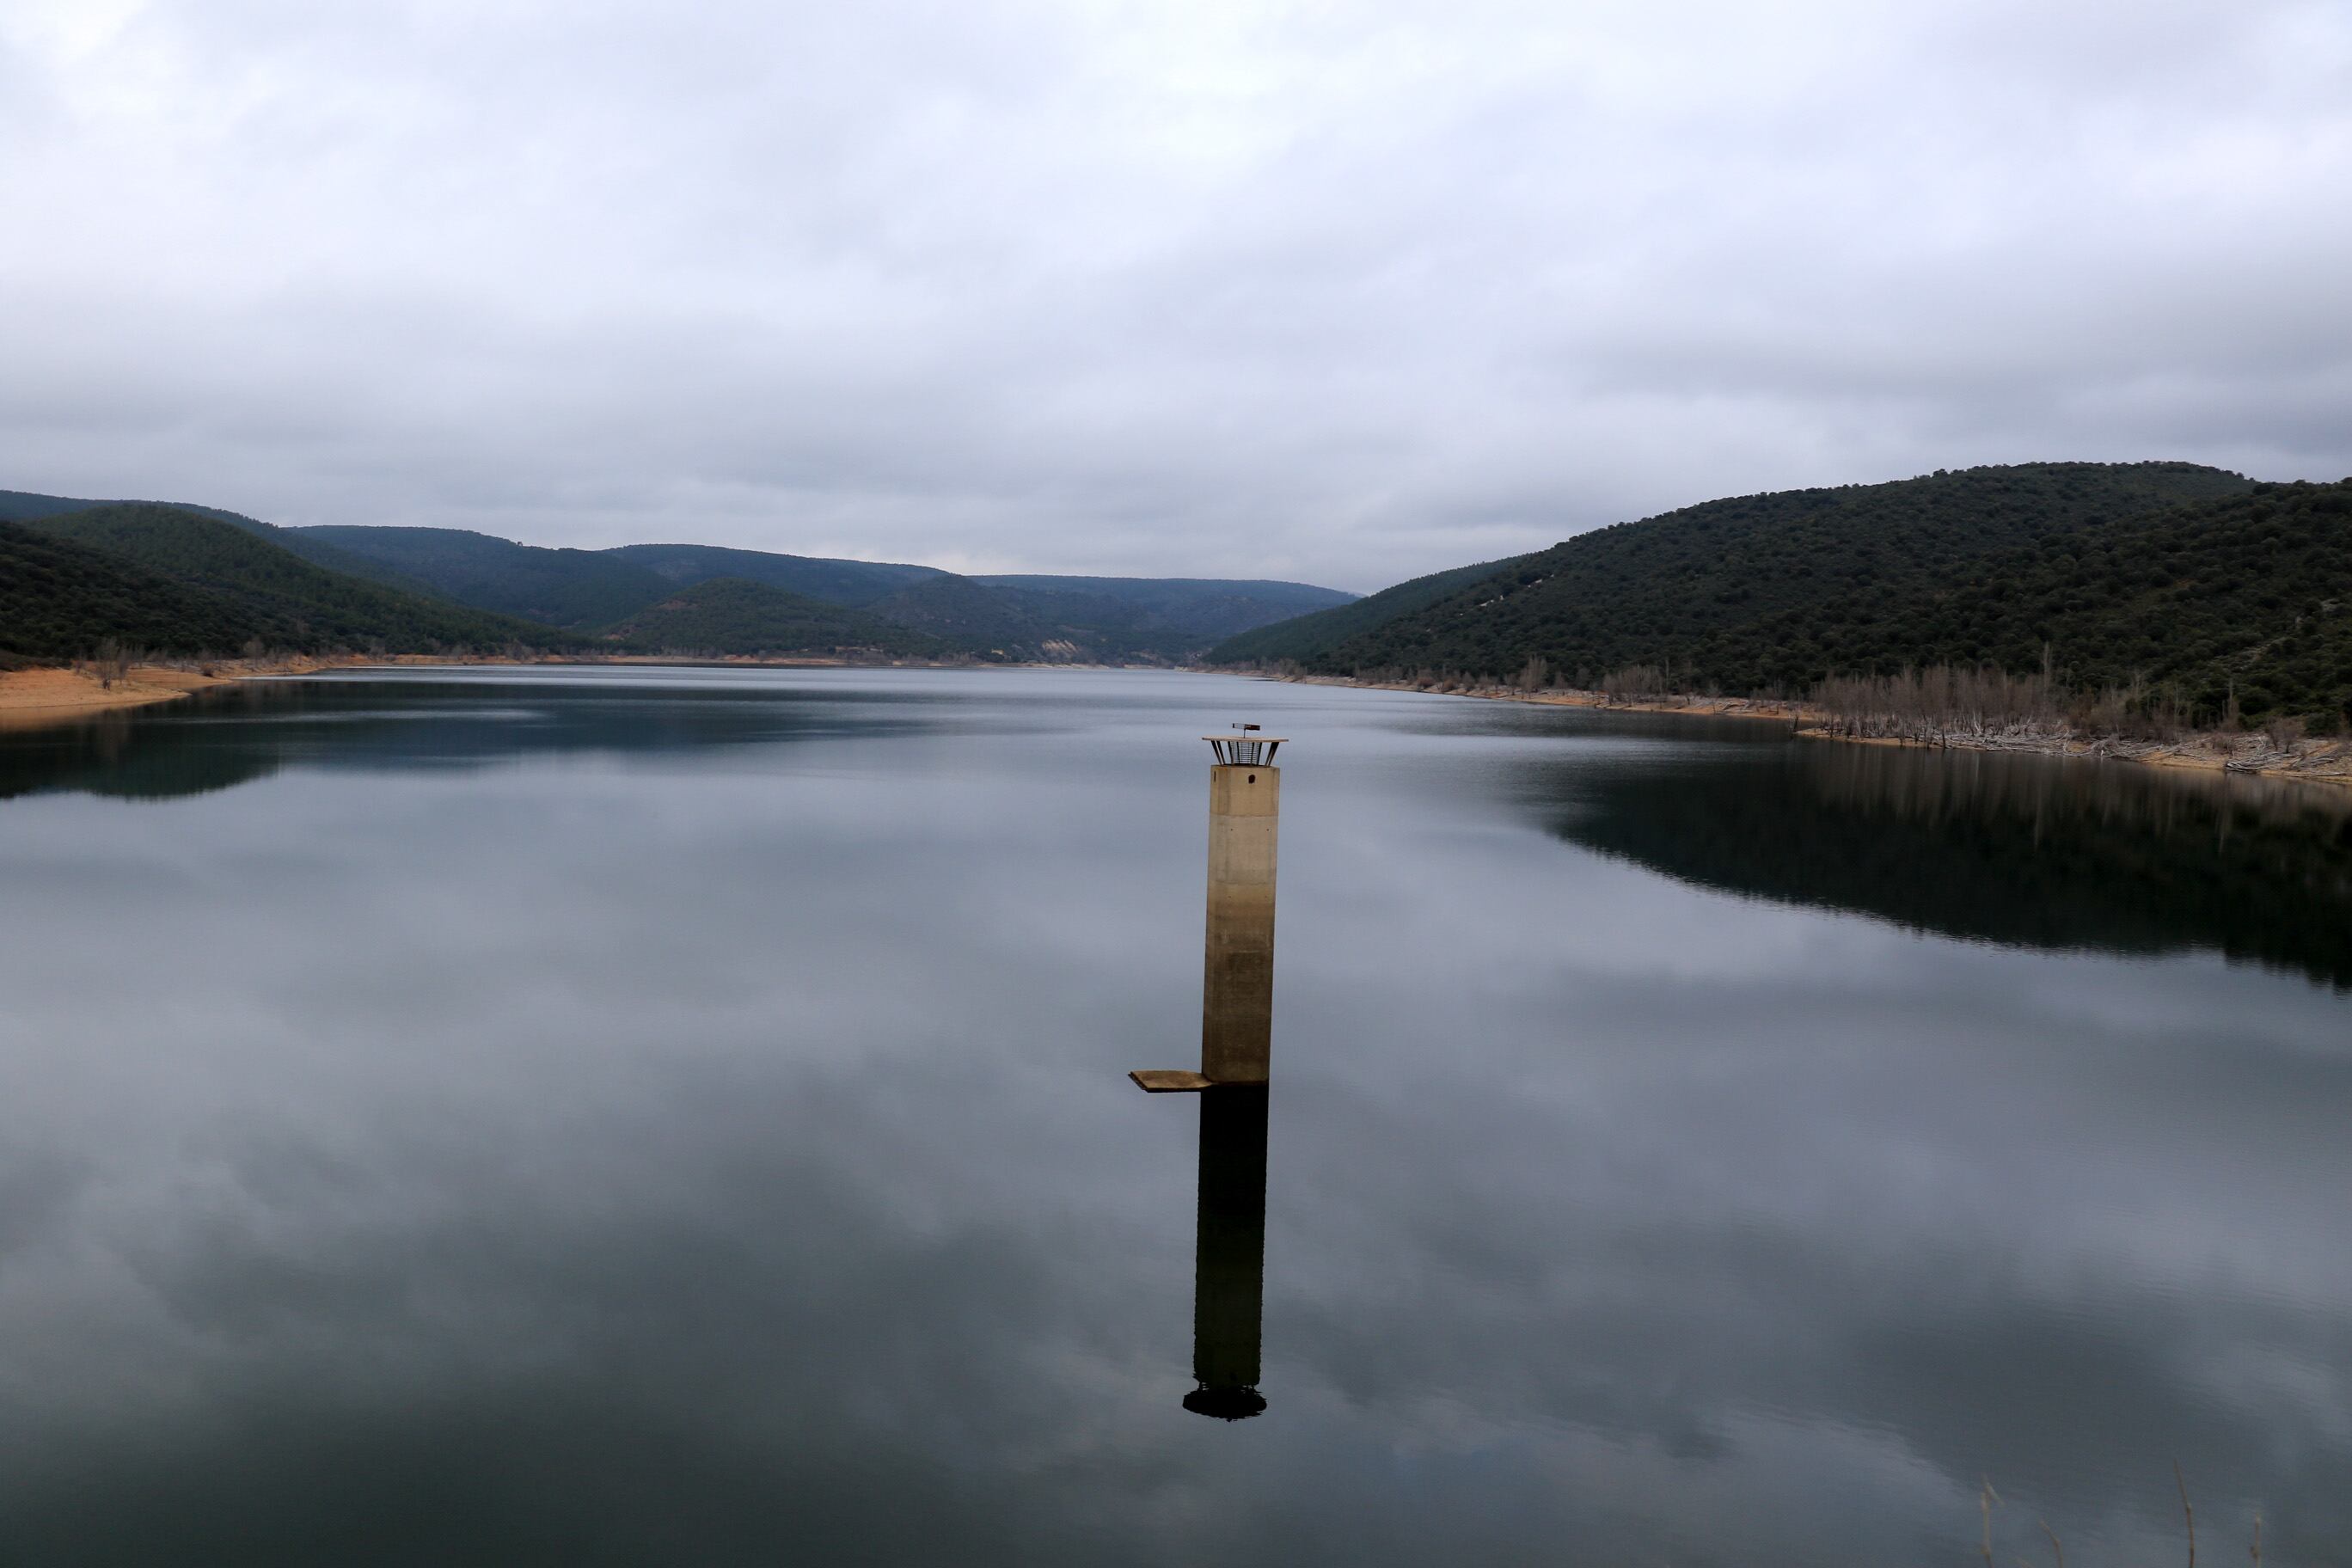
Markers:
point(1345, 295)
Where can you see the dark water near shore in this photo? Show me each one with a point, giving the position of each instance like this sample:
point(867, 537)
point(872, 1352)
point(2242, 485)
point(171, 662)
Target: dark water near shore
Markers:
point(679, 1117)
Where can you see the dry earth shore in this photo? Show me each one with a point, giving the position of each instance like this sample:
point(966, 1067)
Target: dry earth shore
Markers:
point(31, 699)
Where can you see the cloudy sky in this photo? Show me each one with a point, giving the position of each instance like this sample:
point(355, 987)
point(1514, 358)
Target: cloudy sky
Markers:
point(1338, 292)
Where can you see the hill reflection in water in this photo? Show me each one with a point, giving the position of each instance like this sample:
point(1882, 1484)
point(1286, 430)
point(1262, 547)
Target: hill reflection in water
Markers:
point(234, 734)
point(2021, 851)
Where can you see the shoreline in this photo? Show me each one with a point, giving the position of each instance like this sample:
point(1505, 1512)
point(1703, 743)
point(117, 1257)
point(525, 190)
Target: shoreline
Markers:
point(50, 695)
point(2327, 761)
point(34, 699)
point(43, 695)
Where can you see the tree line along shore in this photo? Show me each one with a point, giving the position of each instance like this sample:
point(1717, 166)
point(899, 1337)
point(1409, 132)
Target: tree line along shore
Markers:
point(2278, 750)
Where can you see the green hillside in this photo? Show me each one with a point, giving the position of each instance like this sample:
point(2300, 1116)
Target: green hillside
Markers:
point(1162, 618)
point(2198, 584)
point(1200, 610)
point(308, 543)
point(1025, 616)
point(836, 582)
point(578, 589)
point(21, 506)
point(1033, 616)
point(318, 552)
point(1756, 591)
point(306, 606)
point(2248, 595)
point(732, 615)
point(959, 610)
point(24, 505)
point(1308, 636)
point(60, 600)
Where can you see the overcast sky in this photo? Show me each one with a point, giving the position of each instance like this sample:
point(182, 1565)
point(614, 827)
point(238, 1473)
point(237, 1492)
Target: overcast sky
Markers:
point(1337, 292)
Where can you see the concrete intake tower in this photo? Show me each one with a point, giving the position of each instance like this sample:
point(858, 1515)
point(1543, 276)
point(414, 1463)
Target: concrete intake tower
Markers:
point(1237, 971)
point(1237, 966)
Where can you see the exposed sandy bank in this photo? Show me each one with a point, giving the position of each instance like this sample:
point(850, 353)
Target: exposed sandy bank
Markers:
point(31, 698)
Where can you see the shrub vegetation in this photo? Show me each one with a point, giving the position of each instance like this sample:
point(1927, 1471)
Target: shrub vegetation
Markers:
point(60, 600)
point(285, 601)
point(2224, 599)
point(732, 615)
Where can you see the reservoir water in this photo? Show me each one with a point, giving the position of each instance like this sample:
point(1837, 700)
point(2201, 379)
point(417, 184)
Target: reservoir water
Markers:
point(679, 1116)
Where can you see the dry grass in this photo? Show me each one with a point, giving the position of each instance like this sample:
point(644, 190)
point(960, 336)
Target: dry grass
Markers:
point(1988, 1499)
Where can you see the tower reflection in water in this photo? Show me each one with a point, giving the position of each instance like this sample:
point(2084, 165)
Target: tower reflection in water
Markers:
point(1229, 1255)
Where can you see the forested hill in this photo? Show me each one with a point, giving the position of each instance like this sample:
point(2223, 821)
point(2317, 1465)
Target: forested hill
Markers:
point(626, 595)
point(2246, 598)
point(579, 589)
point(835, 581)
point(1777, 591)
point(735, 615)
point(217, 567)
point(60, 600)
point(1205, 607)
point(1306, 637)
point(1161, 620)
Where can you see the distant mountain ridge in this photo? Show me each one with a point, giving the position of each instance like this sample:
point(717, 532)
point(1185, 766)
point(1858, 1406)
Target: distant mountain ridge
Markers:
point(836, 582)
point(2204, 582)
point(623, 596)
point(738, 616)
point(1219, 607)
point(1311, 637)
point(578, 590)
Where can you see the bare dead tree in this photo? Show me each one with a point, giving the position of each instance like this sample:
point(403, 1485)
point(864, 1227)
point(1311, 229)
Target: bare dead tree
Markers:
point(2187, 1513)
point(113, 662)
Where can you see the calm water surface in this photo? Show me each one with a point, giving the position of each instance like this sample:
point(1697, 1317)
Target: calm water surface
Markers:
point(679, 1117)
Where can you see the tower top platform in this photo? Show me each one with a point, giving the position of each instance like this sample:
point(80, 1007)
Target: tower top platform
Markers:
point(1244, 747)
